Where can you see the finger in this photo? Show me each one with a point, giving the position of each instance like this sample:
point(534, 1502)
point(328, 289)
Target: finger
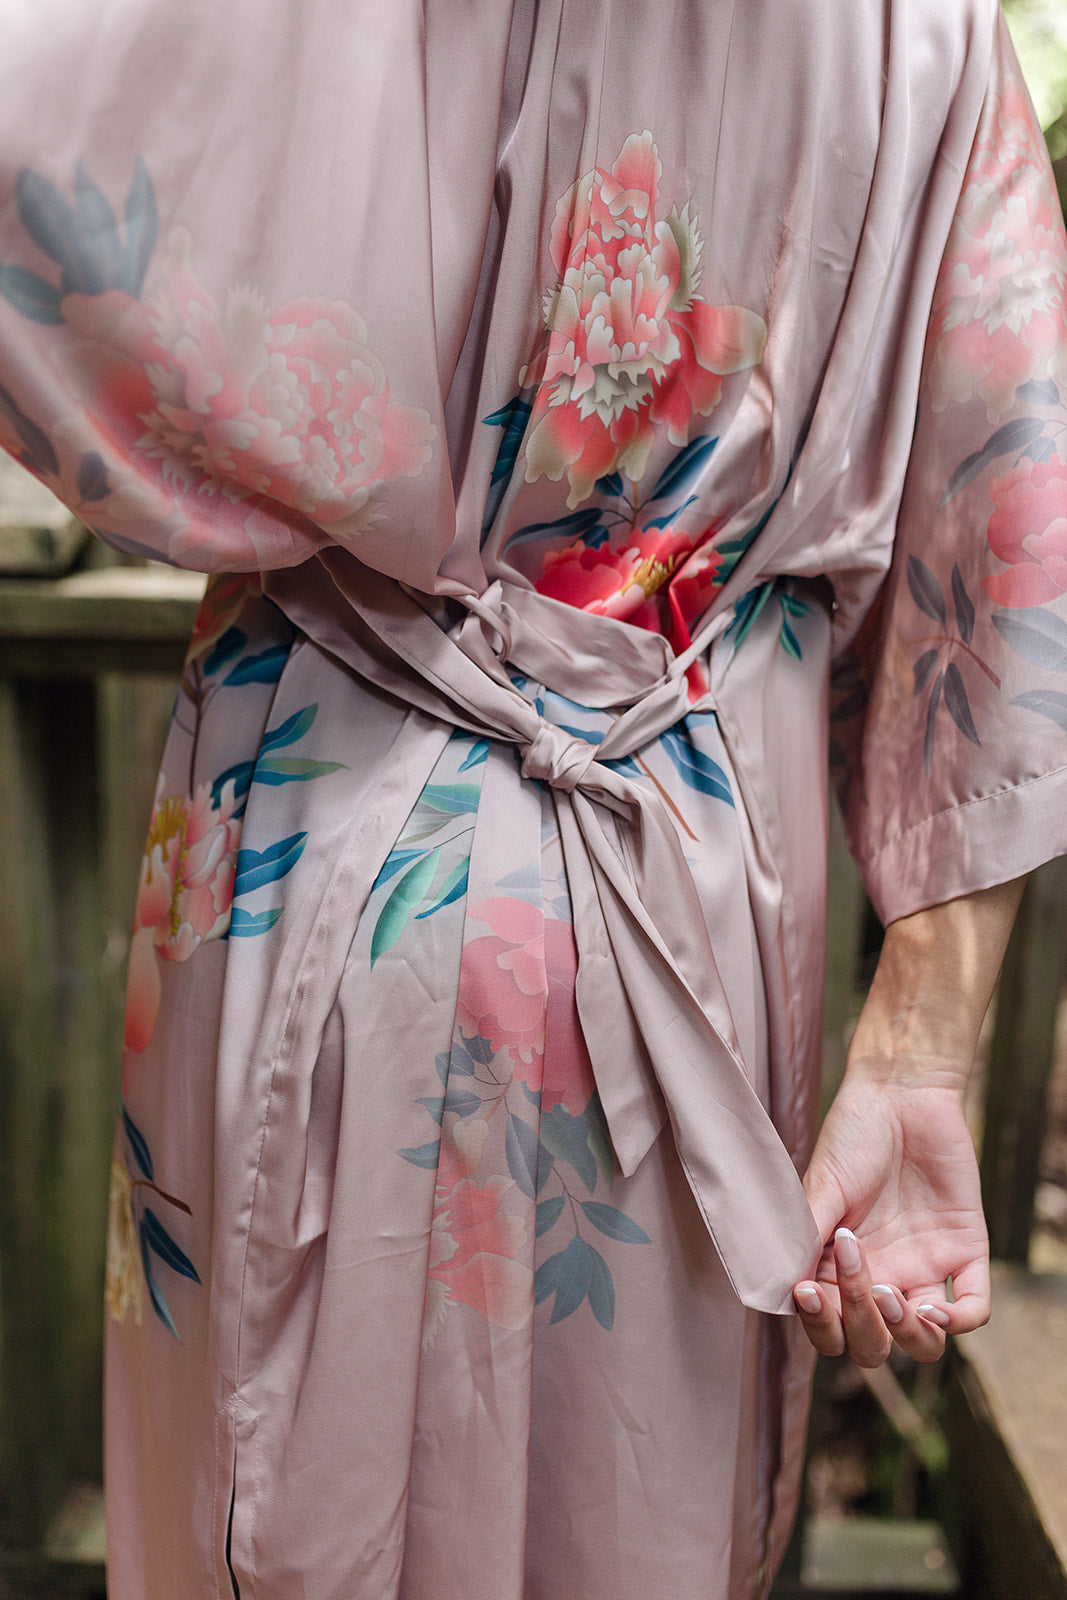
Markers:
point(821, 1322)
point(866, 1337)
point(918, 1337)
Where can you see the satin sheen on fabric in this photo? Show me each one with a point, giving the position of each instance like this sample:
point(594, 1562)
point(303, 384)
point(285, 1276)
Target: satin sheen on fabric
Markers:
point(593, 415)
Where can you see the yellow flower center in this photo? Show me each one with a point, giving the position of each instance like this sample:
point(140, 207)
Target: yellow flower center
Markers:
point(170, 821)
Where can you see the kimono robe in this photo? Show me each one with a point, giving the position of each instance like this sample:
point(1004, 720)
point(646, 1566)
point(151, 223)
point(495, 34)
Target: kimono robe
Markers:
point(553, 391)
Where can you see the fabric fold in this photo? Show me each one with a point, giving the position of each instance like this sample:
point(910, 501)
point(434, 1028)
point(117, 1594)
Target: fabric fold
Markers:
point(645, 959)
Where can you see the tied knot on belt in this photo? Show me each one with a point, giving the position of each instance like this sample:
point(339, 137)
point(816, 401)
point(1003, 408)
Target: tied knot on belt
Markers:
point(556, 757)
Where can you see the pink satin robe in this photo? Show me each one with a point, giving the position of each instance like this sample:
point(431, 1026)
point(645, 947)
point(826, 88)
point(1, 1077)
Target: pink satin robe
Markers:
point(555, 390)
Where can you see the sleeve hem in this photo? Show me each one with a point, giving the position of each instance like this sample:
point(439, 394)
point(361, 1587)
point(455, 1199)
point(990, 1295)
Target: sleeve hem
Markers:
point(974, 845)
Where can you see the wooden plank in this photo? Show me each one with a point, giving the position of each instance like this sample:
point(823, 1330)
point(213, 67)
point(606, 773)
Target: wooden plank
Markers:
point(116, 603)
point(1020, 1062)
point(1007, 1426)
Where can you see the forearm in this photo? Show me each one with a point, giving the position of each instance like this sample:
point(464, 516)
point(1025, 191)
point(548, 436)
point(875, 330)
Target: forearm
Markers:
point(930, 992)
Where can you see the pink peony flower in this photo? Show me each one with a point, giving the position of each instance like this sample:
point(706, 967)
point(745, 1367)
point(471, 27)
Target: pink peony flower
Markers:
point(1028, 530)
point(474, 1250)
point(233, 412)
point(631, 345)
point(616, 582)
point(517, 983)
point(995, 324)
point(184, 897)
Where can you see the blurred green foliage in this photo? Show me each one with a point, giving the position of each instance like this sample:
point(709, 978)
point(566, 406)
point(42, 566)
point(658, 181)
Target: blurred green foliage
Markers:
point(1039, 32)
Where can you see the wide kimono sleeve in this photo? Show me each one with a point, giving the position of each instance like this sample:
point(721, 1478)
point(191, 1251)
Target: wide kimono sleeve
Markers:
point(227, 324)
point(950, 728)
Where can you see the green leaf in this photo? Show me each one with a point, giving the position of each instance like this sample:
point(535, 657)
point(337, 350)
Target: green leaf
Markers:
point(139, 1145)
point(289, 731)
point(456, 798)
point(520, 1150)
point(276, 770)
point(453, 888)
point(267, 667)
point(394, 915)
point(599, 1138)
point(255, 868)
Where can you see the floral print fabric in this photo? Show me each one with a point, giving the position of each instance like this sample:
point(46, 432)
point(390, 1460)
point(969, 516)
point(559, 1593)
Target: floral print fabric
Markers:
point(636, 351)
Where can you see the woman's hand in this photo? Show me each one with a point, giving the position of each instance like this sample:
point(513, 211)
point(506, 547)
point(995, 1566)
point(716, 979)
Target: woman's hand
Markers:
point(894, 1174)
point(893, 1181)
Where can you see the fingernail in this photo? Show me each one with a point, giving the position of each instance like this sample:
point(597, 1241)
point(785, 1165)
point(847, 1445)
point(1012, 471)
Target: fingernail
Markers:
point(807, 1298)
point(888, 1304)
point(935, 1314)
point(848, 1250)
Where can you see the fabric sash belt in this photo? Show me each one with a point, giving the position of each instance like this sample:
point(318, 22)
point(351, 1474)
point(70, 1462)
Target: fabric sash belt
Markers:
point(654, 1012)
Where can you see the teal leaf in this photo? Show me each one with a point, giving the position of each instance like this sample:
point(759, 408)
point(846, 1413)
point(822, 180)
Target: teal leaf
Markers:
point(566, 1138)
point(669, 516)
point(1008, 439)
point(696, 769)
point(54, 224)
point(601, 1291)
point(962, 602)
point(931, 722)
point(231, 644)
point(795, 607)
point(142, 230)
point(258, 867)
point(545, 1278)
point(957, 704)
point(159, 1240)
point(572, 1278)
point(685, 468)
point(99, 225)
point(241, 777)
point(513, 419)
point(289, 731)
point(789, 641)
point(276, 770)
point(435, 1105)
point(31, 295)
point(479, 1049)
point(1036, 393)
point(599, 1139)
point(923, 670)
point(614, 1223)
point(746, 611)
point(453, 888)
point(423, 1155)
point(479, 752)
point(609, 484)
point(91, 481)
point(1047, 703)
point(462, 1102)
point(392, 865)
point(925, 590)
point(459, 1062)
point(548, 1213)
point(571, 526)
point(243, 925)
point(139, 1145)
point(441, 1062)
point(458, 799)
point(394, 915)
point(155, 1294)
point(520, 1151)
point(267, 667)
point(1041, 639)
point(38, 451)
point(545, 1163)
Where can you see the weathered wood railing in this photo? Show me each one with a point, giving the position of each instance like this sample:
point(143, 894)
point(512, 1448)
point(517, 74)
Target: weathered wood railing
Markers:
point(87, 670)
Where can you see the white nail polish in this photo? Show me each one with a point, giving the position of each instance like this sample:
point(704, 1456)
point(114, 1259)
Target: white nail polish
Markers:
point(848, 1250)
point(934, 1314)
point(808, 1300)
point(888, 1304)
